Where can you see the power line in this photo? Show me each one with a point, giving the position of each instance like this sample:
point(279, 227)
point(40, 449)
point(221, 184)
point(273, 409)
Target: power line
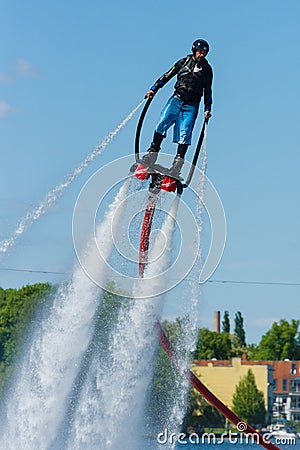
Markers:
point(31, 270)
point(267, 283)
point(275, 283)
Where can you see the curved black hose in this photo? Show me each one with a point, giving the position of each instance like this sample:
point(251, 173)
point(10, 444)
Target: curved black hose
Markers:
point(196, 155)
point(138, 129)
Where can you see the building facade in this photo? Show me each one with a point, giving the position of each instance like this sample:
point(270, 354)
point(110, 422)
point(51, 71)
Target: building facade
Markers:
point(222, 376)
point(286, 390)
point(278, 380)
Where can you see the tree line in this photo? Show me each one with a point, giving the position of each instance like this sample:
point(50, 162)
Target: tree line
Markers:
point(281, 342)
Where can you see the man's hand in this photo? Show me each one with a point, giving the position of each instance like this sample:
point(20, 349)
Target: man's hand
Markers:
point(207, 115)
point(149, 94)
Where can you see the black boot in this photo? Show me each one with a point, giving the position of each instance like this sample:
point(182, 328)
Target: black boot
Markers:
point(178, 160)
point(156, 143)
point(176, 166)
point(181, 150)
point(151, 156)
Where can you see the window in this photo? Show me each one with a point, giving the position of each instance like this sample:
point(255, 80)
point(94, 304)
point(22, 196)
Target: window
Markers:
point(293, 369)
point(295, 385)
point(295, 403)
point(284, 384)
point(274, 384)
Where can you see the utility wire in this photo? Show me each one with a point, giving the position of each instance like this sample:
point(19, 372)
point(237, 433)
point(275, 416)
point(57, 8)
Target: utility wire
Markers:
point(276, 283)
point(31, 271)
point(270, 283)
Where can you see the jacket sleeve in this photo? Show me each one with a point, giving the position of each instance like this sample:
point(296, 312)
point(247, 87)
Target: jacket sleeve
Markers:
point(208, 90)
point(168, 75)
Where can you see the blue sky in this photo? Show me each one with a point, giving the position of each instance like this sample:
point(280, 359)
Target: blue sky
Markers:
point(71, 71)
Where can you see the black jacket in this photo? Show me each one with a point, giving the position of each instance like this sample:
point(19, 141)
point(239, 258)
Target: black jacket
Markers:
point(194, 78)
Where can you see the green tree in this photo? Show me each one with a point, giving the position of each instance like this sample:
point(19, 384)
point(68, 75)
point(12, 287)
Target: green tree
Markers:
point(226, 323)
point(213, 345)
point(236, 348)
point(280, 342)
point(248, 400)
point(239, 330)
point(17, 308)
point(251, 351)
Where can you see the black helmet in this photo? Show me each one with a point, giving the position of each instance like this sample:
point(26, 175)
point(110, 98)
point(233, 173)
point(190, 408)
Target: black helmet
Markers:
point(200, 44)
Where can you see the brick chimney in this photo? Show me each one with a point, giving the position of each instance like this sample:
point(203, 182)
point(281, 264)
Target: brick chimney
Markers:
point(217, 328)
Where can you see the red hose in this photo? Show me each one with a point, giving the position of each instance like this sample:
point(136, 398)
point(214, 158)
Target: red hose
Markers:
point(145, 233)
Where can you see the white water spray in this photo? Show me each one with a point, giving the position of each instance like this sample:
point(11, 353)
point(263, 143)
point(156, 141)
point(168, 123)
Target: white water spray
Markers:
point(54, 194)
point(110, 413)
point(36, 406)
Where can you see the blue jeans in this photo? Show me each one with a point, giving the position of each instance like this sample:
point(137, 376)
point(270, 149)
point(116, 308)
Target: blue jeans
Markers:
point(180, 114)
